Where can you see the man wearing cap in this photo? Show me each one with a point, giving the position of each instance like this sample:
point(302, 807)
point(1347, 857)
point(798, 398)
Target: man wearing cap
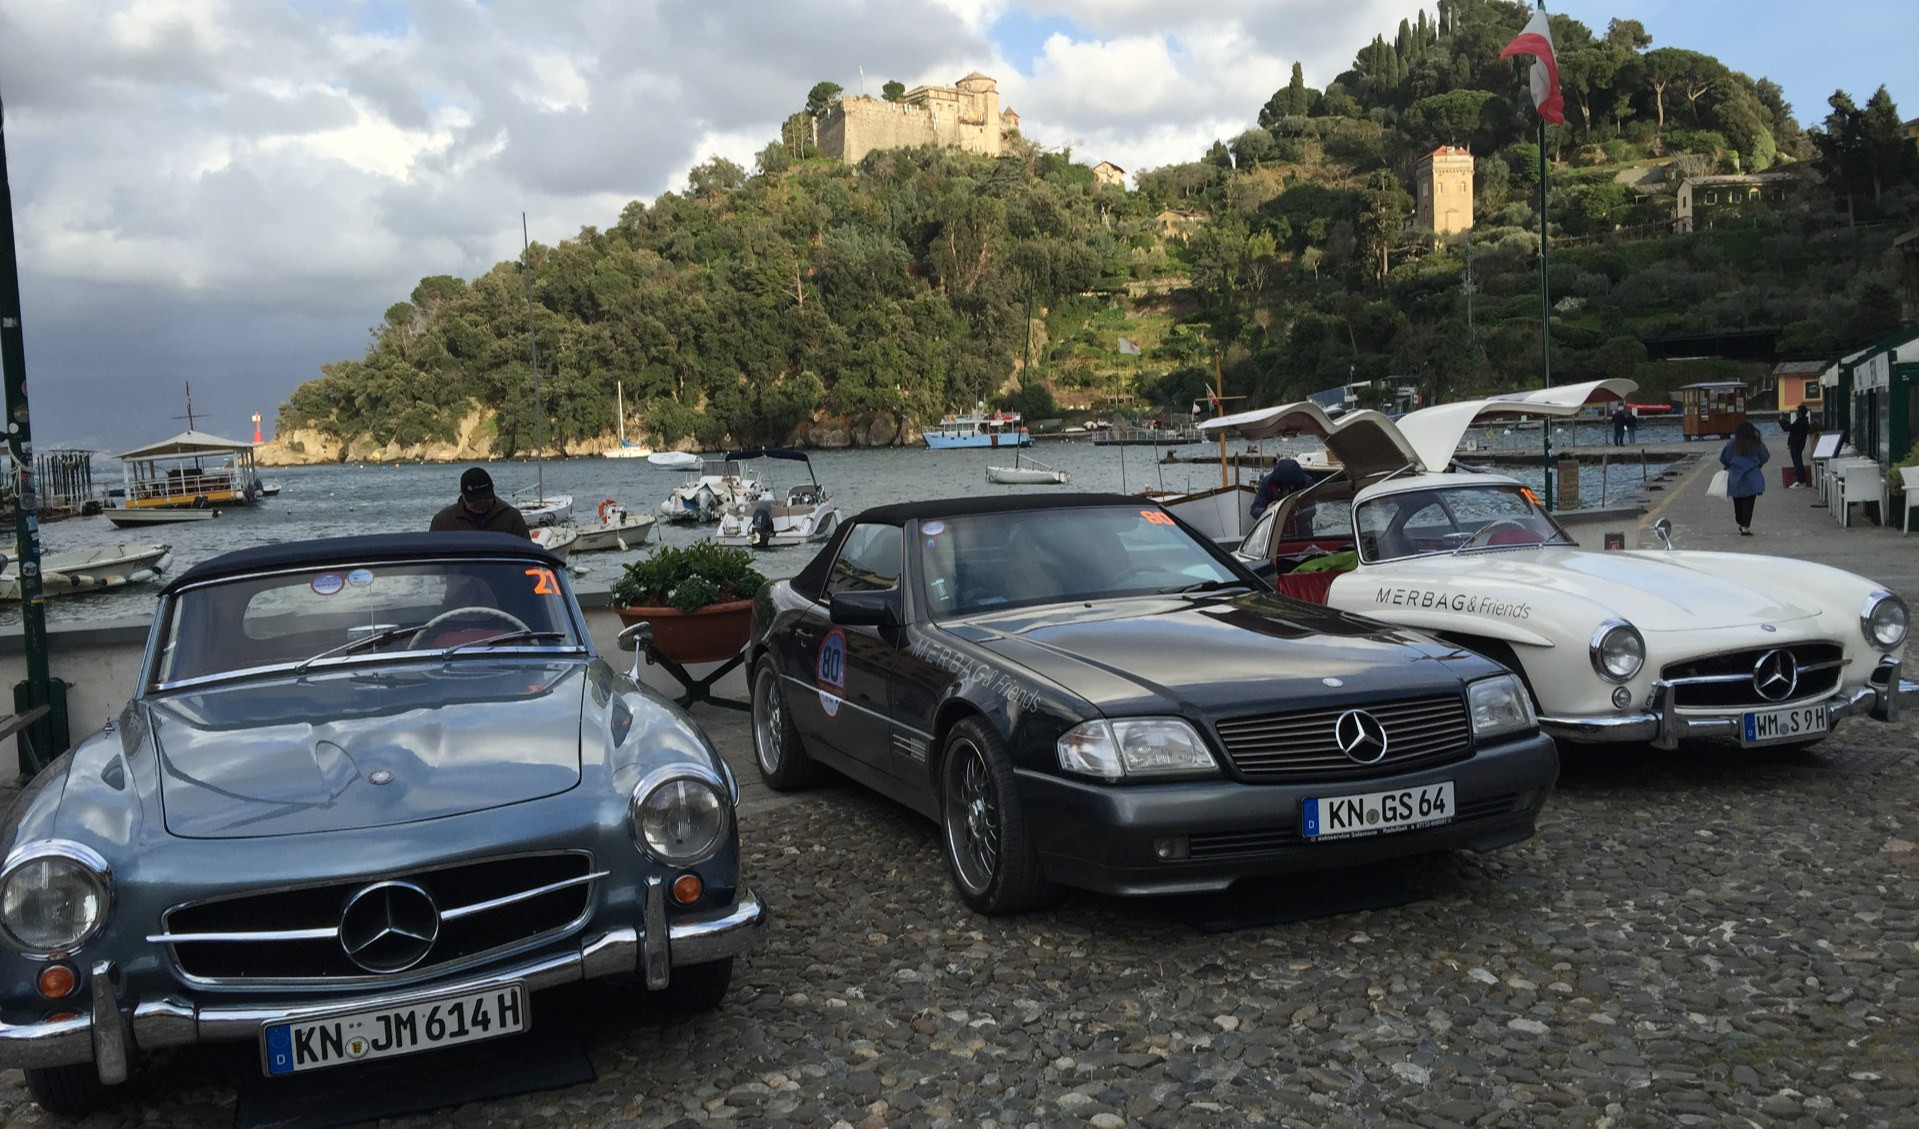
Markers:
point(479, 509)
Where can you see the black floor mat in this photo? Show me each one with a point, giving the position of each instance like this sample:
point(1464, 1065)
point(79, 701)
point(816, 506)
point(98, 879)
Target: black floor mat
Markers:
point(1281, 901)
point(536, 1060)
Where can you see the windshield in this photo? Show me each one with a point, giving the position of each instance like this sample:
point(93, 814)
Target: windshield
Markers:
point(1449, 519)
point(346, 613)
point(987, 561)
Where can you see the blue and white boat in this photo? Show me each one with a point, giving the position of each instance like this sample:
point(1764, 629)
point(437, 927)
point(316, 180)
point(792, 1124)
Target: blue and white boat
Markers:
point(980, 428)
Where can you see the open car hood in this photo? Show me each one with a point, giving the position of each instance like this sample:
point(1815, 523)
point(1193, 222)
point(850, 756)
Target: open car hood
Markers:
point(364, 749)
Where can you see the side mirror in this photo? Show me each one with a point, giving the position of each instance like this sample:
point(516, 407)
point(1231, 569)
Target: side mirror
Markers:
point(638, 638)
point(866, 609)
point(1662, 529)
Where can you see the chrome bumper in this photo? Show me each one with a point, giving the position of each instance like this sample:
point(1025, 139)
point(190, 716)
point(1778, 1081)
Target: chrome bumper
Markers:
point(1664, 726)
point(110, 1032)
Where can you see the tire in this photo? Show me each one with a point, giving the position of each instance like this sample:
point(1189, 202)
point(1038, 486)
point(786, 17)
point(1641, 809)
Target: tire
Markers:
point(777, 750)
point(983, 827)
point(73, 1090)
point(697, 988)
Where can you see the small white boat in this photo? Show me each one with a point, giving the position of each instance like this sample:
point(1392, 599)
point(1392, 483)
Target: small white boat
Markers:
point(721, 483)
point(548, 509)
point(91, 570)
point(556, 539)
point(674, 460)
point(124, 518)
point(616, 529)
point(804, 515)
point(625, 450)
point(269, 489)
point(1027, 472)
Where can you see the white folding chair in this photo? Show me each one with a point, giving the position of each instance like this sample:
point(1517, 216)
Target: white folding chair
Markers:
point(1909, 478)
point(1864, 482)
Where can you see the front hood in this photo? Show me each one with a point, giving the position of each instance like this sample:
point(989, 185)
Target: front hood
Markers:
point(1657, 591)
point(1223, 655)
point(359, 750)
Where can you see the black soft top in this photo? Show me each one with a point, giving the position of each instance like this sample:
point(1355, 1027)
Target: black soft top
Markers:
point(361, 550)
point(902, 512)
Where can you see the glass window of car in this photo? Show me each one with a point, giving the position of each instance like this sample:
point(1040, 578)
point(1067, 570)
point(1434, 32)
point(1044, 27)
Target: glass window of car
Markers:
point(869, 561)
point(981, 562)
point(288, 618)
point(1420, 522)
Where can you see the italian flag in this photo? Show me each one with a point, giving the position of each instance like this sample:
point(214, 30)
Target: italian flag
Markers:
point(1537, 40)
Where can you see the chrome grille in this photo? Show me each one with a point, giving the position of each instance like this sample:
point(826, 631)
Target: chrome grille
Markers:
point(292, 935)
point(1725, 681)
point(1287, 747)
point(1272, 840)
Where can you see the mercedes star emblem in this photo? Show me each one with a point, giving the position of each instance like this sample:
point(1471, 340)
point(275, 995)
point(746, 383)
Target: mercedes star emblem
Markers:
point(1360, 736)
point(1775, 676)
point(389, 926)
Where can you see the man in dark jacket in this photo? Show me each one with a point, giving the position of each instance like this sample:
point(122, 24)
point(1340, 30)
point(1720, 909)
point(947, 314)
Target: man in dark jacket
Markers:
point(1285, 477)
point(479, 509)
point(1797, 428)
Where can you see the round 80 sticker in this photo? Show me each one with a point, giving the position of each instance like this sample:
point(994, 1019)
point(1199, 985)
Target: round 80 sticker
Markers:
point(829, 671)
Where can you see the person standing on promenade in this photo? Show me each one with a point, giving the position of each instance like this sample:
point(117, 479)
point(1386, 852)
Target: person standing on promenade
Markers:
point(1797, 428)
point(1619, 427)
point(479, 509)
point(1744, 456)
point(1632, 424)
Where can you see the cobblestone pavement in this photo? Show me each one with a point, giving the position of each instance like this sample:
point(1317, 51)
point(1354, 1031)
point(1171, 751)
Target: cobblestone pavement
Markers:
point(1715, 937)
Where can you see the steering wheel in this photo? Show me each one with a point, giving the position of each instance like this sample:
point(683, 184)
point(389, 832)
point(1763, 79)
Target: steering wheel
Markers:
point(1484, 533)
point(507, 620)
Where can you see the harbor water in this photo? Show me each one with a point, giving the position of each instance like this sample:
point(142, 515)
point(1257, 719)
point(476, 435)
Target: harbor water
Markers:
point(347, 499)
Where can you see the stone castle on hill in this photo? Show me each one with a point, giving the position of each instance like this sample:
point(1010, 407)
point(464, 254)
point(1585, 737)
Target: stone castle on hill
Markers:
point(965, 115)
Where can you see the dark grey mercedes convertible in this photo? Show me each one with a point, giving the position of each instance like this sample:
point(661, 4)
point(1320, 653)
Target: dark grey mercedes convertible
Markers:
point(370, 795)
point(1082, 690)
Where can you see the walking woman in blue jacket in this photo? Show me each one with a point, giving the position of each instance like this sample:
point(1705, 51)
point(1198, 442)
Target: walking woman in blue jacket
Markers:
point(1744, 456)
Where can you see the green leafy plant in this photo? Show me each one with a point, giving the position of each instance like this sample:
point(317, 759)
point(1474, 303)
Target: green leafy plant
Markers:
point(688, 577)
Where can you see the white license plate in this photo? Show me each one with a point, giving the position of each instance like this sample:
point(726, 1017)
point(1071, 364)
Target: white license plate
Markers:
point(1763, 726)
point(1374, 813)
point(361, 1036)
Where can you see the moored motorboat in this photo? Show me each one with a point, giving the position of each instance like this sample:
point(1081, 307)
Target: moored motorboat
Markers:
point(805, 514)
point(673, 460)
point(978, 428)
point(721, 483)
point(617, 528)
point(557, 539)
point(91, 570)
point(124, 518)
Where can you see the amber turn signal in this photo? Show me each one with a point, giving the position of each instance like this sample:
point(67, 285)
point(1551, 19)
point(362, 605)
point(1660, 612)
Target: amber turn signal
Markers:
point(57, 982)
point(687, 889)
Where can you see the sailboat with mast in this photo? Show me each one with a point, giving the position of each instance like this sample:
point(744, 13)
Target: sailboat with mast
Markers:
point(540, 508)
point(625, 450)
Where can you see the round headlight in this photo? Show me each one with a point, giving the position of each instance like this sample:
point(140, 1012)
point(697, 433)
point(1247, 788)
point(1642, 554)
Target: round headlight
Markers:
point(680, 816)
point(1618, 651)
point(1884, 619)
point(53, 896)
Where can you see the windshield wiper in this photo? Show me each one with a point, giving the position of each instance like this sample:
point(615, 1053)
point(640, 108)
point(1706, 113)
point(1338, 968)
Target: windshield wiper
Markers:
point(1211, 586)
point(386, 635)
point(504, 637)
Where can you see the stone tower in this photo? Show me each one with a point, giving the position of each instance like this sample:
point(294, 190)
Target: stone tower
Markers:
point(1443, 184)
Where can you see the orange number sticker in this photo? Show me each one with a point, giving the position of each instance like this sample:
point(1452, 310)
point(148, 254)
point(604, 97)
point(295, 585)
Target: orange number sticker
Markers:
point(544, 582)
point(1157, 517)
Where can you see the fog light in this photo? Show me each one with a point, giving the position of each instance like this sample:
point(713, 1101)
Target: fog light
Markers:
point(1172, 849)
point(57, 982)
point(687, 889)
point(62, 1016)
point(1621, 697)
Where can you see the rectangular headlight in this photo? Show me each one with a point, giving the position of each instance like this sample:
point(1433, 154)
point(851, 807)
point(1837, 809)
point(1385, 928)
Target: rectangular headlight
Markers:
point(1499, 705)
point(1158, 746)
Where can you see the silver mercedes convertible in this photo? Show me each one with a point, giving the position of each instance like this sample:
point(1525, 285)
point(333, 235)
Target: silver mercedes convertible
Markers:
point(370, 796)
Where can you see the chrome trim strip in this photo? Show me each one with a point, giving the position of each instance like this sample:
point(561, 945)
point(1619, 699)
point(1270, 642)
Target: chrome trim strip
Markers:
point(656, 959)
point(317, 934)
point(524, 895)
point(111, 1037)
point(1665, 727)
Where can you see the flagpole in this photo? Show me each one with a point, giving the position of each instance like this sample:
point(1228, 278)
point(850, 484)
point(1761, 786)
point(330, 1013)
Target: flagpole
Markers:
point(1545, 318)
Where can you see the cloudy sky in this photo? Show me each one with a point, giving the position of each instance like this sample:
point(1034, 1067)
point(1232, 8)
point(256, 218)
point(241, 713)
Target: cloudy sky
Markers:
point(229, 193)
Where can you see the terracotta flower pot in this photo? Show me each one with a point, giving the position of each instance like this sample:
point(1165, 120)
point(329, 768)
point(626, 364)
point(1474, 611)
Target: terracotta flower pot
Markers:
point(713, 634)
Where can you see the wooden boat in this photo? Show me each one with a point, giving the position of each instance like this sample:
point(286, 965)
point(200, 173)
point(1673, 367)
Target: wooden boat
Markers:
point(124, 518)
point(1027, 472)
point(192, 470)
point(91, 570)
